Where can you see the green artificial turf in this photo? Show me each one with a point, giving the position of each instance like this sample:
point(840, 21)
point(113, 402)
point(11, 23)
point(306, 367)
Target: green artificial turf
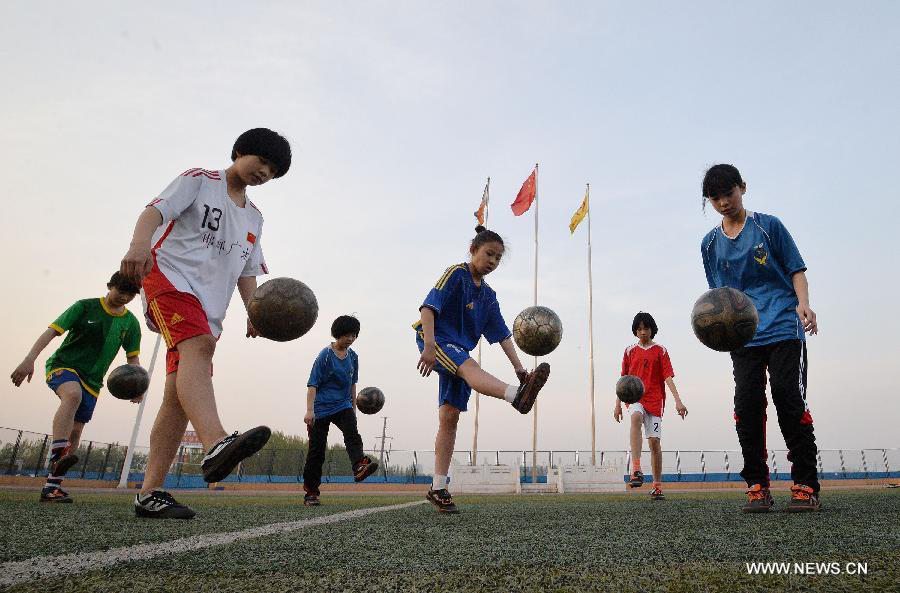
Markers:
point(692, 542)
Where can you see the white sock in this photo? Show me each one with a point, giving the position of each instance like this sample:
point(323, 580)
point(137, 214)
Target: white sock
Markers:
point(511, 391)
point(439, 482)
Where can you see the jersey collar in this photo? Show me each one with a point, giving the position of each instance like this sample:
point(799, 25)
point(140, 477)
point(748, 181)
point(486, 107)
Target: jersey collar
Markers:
point(110, 311)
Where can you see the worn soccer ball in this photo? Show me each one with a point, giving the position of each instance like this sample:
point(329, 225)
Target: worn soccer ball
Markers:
point(537, 331)
point(629, 389)
point(724, 319)
point(283, 309)
point(370, 400)
point(128, 381)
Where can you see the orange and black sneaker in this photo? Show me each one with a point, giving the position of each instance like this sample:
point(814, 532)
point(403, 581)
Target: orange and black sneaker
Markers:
point(364, 468)
point(53, 493)
point(759, 500)
point(657, 493)
point(442, 500)
point(637, 479)
point(528, 390)
point(803, 500)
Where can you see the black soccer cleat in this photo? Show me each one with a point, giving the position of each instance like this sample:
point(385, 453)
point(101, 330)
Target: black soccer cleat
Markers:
point(442, 500)
point(364, 468)
point(528, 391)
point(637, 479)
point(230, 451)
point(54, 493)
point(159, 504)
point(311, 499)
point(759, 500)
point(59, 467)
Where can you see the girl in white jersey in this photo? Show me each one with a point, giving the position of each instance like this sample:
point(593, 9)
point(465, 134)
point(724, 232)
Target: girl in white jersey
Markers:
point(192, 245)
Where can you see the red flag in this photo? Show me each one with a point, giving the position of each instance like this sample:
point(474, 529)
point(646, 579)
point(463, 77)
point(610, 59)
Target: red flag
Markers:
point(526, 196)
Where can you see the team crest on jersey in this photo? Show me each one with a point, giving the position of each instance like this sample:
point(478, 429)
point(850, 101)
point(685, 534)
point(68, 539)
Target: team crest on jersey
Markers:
point(470, 306)
point(760, 254)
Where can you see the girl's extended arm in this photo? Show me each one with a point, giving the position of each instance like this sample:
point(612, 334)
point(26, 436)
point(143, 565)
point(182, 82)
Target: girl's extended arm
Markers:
point(807, 315)
point(510, 350)
point(310, 405)
point(426, 360)
point(26, 367)
point(138, 261)
point(679, 406)
point(247, 286)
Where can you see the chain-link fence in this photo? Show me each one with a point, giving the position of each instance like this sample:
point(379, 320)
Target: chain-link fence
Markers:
point(24, 453)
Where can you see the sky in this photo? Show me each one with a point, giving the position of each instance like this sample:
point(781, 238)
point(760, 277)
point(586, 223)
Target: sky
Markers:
point(397, 113)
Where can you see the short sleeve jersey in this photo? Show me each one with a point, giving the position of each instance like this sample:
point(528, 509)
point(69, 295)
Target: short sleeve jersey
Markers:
point(95, 335)
point(333, 379)
point(759, 262)
point(653, 366)
point(204, 244)
point(463, 311)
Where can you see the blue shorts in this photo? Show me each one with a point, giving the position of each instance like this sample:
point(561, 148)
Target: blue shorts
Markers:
point(451, 388)
point(85, 410)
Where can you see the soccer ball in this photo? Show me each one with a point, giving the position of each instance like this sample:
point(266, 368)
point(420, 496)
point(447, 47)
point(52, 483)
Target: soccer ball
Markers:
point(537, 331)
point(128, 381)
point(283, 309)
point(370, 400)
point(629, 389)
point(724, 319)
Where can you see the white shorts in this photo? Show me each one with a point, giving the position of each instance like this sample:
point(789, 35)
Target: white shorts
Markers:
point(652, 424)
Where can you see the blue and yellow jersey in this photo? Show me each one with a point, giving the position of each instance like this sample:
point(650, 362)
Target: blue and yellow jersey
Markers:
point(761, 262)
point(463, 312)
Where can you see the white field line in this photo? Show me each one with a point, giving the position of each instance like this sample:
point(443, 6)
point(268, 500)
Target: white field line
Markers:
point(41, 567)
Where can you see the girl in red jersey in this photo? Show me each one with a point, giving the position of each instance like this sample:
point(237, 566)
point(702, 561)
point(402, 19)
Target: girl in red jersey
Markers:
point(649, 361)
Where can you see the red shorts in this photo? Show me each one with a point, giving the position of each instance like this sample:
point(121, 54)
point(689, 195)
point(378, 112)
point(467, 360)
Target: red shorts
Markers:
point(178, 316)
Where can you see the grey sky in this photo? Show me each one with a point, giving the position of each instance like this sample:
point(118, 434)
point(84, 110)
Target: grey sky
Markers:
point(397, 113)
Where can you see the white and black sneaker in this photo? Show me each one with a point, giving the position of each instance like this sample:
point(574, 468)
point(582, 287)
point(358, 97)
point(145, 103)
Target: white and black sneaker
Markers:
point(230, 451)
point(159, 504)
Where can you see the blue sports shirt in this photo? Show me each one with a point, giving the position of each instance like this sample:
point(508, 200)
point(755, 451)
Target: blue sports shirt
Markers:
point(463, 312)
point(760, 261)
point(333, 378)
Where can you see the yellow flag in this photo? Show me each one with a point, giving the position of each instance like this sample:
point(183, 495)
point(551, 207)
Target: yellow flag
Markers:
point(579, 214)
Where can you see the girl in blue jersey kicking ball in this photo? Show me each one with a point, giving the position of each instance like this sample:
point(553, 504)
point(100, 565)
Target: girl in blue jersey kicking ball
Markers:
point(456, 313)
point(755, 253)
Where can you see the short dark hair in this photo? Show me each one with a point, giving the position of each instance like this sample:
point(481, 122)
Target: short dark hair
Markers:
point(483, 236)
point(123, 284)
point(720, 180)
point(645, 319)
point(345, 325)
point(267, 144)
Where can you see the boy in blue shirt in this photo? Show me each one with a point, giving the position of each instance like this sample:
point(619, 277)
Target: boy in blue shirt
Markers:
point(331, 398)
point(754, 253)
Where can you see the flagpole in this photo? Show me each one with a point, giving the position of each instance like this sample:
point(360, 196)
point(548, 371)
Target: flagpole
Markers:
point(129, 455)
point(535, 408)
point(487, 192)
point(591, 330)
